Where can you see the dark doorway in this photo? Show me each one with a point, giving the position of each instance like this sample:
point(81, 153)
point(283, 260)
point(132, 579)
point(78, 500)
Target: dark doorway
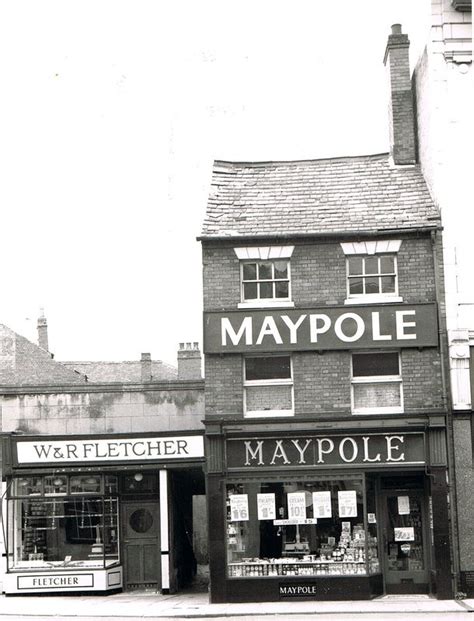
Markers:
point(141, 545)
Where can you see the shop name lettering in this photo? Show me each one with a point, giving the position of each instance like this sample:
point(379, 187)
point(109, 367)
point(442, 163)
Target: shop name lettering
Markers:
point(107, 450)
point(312, 451)
point(298, 590)
point(348, 328)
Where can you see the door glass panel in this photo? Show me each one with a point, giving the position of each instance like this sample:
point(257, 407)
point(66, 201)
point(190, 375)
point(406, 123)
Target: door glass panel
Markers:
point(141, 520)
point(404, 533)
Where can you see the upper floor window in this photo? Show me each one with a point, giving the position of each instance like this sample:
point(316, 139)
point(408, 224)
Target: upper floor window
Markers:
point(265, 280)
point(372, 271)
point(268, 386)
point(376, 383)
point(265, 276)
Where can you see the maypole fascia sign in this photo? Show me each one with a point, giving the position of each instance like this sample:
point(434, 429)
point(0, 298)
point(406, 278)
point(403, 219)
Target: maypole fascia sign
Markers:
point(151, 448)
point(367, 450)
point(392, 325)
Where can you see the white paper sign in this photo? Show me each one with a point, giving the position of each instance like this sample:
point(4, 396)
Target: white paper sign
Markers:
point(239, 507)
point(296, 505)
point(347, 501)
point(299, 521)
point(371, 519)
point(407, 533)
point(266, 506)
point(322, 504)
point(403, 505)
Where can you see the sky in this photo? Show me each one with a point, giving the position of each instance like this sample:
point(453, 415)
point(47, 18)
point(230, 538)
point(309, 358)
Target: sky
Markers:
point(111, 116)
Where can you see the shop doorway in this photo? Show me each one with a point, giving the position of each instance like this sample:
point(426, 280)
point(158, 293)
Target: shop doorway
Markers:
point(141, 545)
point(404, 541)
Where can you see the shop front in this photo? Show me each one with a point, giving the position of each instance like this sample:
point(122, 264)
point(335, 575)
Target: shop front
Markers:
point(336, 516)
point(100, 513)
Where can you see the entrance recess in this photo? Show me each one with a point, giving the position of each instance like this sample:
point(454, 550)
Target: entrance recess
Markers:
point(404, 541)
point(141, 545)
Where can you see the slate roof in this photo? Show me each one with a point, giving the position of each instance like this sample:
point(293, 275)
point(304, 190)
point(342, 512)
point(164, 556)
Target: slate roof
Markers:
point(320, 197)
point(122, 372)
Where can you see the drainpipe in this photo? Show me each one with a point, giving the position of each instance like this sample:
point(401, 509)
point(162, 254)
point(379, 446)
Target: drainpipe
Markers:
point(449, 419)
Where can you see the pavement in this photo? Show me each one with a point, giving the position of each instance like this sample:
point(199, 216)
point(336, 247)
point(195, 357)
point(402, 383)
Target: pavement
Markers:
point(194, 605)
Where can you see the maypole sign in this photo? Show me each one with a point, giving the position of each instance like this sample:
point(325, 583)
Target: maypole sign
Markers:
point(393, 325)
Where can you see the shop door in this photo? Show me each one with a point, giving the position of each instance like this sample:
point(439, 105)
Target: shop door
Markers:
point(141, 545)
point(404, 540)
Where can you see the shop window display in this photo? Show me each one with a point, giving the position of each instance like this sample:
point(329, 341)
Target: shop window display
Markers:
point(302, 528)
point(63, 521)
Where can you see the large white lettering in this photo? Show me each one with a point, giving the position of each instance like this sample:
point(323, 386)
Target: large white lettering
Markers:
point(314, 329)
point(228, 330)
point(301, 451)
point(360, 327)
point(269, 328)
point(293, 326)
point(254, 454)
point(402, 324)
point(376, 329)
point(280, 453)
point(342, 452)
point(391, 448)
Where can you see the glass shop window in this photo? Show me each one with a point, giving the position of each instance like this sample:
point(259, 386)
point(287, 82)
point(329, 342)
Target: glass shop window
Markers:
point(303, 528)
point(62, 521)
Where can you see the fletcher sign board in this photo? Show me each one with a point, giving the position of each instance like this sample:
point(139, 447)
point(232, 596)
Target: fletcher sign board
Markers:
point(392, 325)
point(44, 451)
point(371, 449)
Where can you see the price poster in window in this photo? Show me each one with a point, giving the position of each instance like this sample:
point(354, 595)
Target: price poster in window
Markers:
point(239, 507)
point(296, 505)
point(347, 502)
point(407, 533)
point(403, 505)
point(322, 504)
point(266, 506)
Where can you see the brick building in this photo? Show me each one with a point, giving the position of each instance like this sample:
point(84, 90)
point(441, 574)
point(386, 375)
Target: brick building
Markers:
point(327, 424)
point(103, 484)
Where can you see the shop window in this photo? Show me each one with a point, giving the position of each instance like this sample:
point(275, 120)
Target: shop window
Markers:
point(372, 271)
point(376, 383)
point(62, 521)
point(265, 276)
point(299, 528)
point(268, 386)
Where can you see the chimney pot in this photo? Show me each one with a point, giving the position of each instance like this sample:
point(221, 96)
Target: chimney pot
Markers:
point(189, 361)
point(396, 29)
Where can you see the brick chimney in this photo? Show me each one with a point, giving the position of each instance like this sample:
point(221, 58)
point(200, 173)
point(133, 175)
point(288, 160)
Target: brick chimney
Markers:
point(189, 361)
point(145, 370)
point(401, 109)
point(42, 326)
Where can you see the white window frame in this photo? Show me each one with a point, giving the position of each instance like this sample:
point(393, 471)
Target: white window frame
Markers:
point(377, 379)
point(369, 249)
point(263, 383)
point(257, 254)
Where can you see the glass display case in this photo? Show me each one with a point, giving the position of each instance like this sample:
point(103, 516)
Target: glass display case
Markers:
point(63, 521)
point(316, 527)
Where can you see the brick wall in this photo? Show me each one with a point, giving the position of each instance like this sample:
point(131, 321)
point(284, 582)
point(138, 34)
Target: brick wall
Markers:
point(322, 380)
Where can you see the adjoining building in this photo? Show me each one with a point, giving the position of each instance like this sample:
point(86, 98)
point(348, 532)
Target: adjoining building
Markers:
point(103, 485)
point(327, 420)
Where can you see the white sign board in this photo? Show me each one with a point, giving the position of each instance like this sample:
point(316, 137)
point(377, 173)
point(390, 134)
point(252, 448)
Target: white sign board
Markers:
point(322, 504)
point(403, 505)
point(239, 507)
point(347, 501)
point(296, 505)
point(406, 533)
point(266, 506)
point(111, 449)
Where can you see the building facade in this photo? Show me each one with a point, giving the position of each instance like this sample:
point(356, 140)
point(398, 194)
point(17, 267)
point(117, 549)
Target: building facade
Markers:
point(327, 422)
point(103, 484)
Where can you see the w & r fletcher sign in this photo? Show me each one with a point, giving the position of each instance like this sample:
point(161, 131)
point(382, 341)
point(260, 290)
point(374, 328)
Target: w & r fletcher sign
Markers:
point(397, 325)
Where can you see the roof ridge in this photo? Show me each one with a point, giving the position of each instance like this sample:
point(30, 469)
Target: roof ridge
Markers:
point(297, 161)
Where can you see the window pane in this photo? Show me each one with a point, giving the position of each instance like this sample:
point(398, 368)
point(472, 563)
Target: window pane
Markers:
point(355, 286)
point(267, 367)
point(387, 265)
point(388, 284)
point(250, 291)
point(266, 290)
point(259, 398)
point(265, 271)
point(365, 365)
point(372, 285)
point(376, 395)
point(355, 265)
point(281, 289)
point(371, 265)
point(281, 269)
point(250, 271)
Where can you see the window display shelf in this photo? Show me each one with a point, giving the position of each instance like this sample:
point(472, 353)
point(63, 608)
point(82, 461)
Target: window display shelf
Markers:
point(296, 567)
